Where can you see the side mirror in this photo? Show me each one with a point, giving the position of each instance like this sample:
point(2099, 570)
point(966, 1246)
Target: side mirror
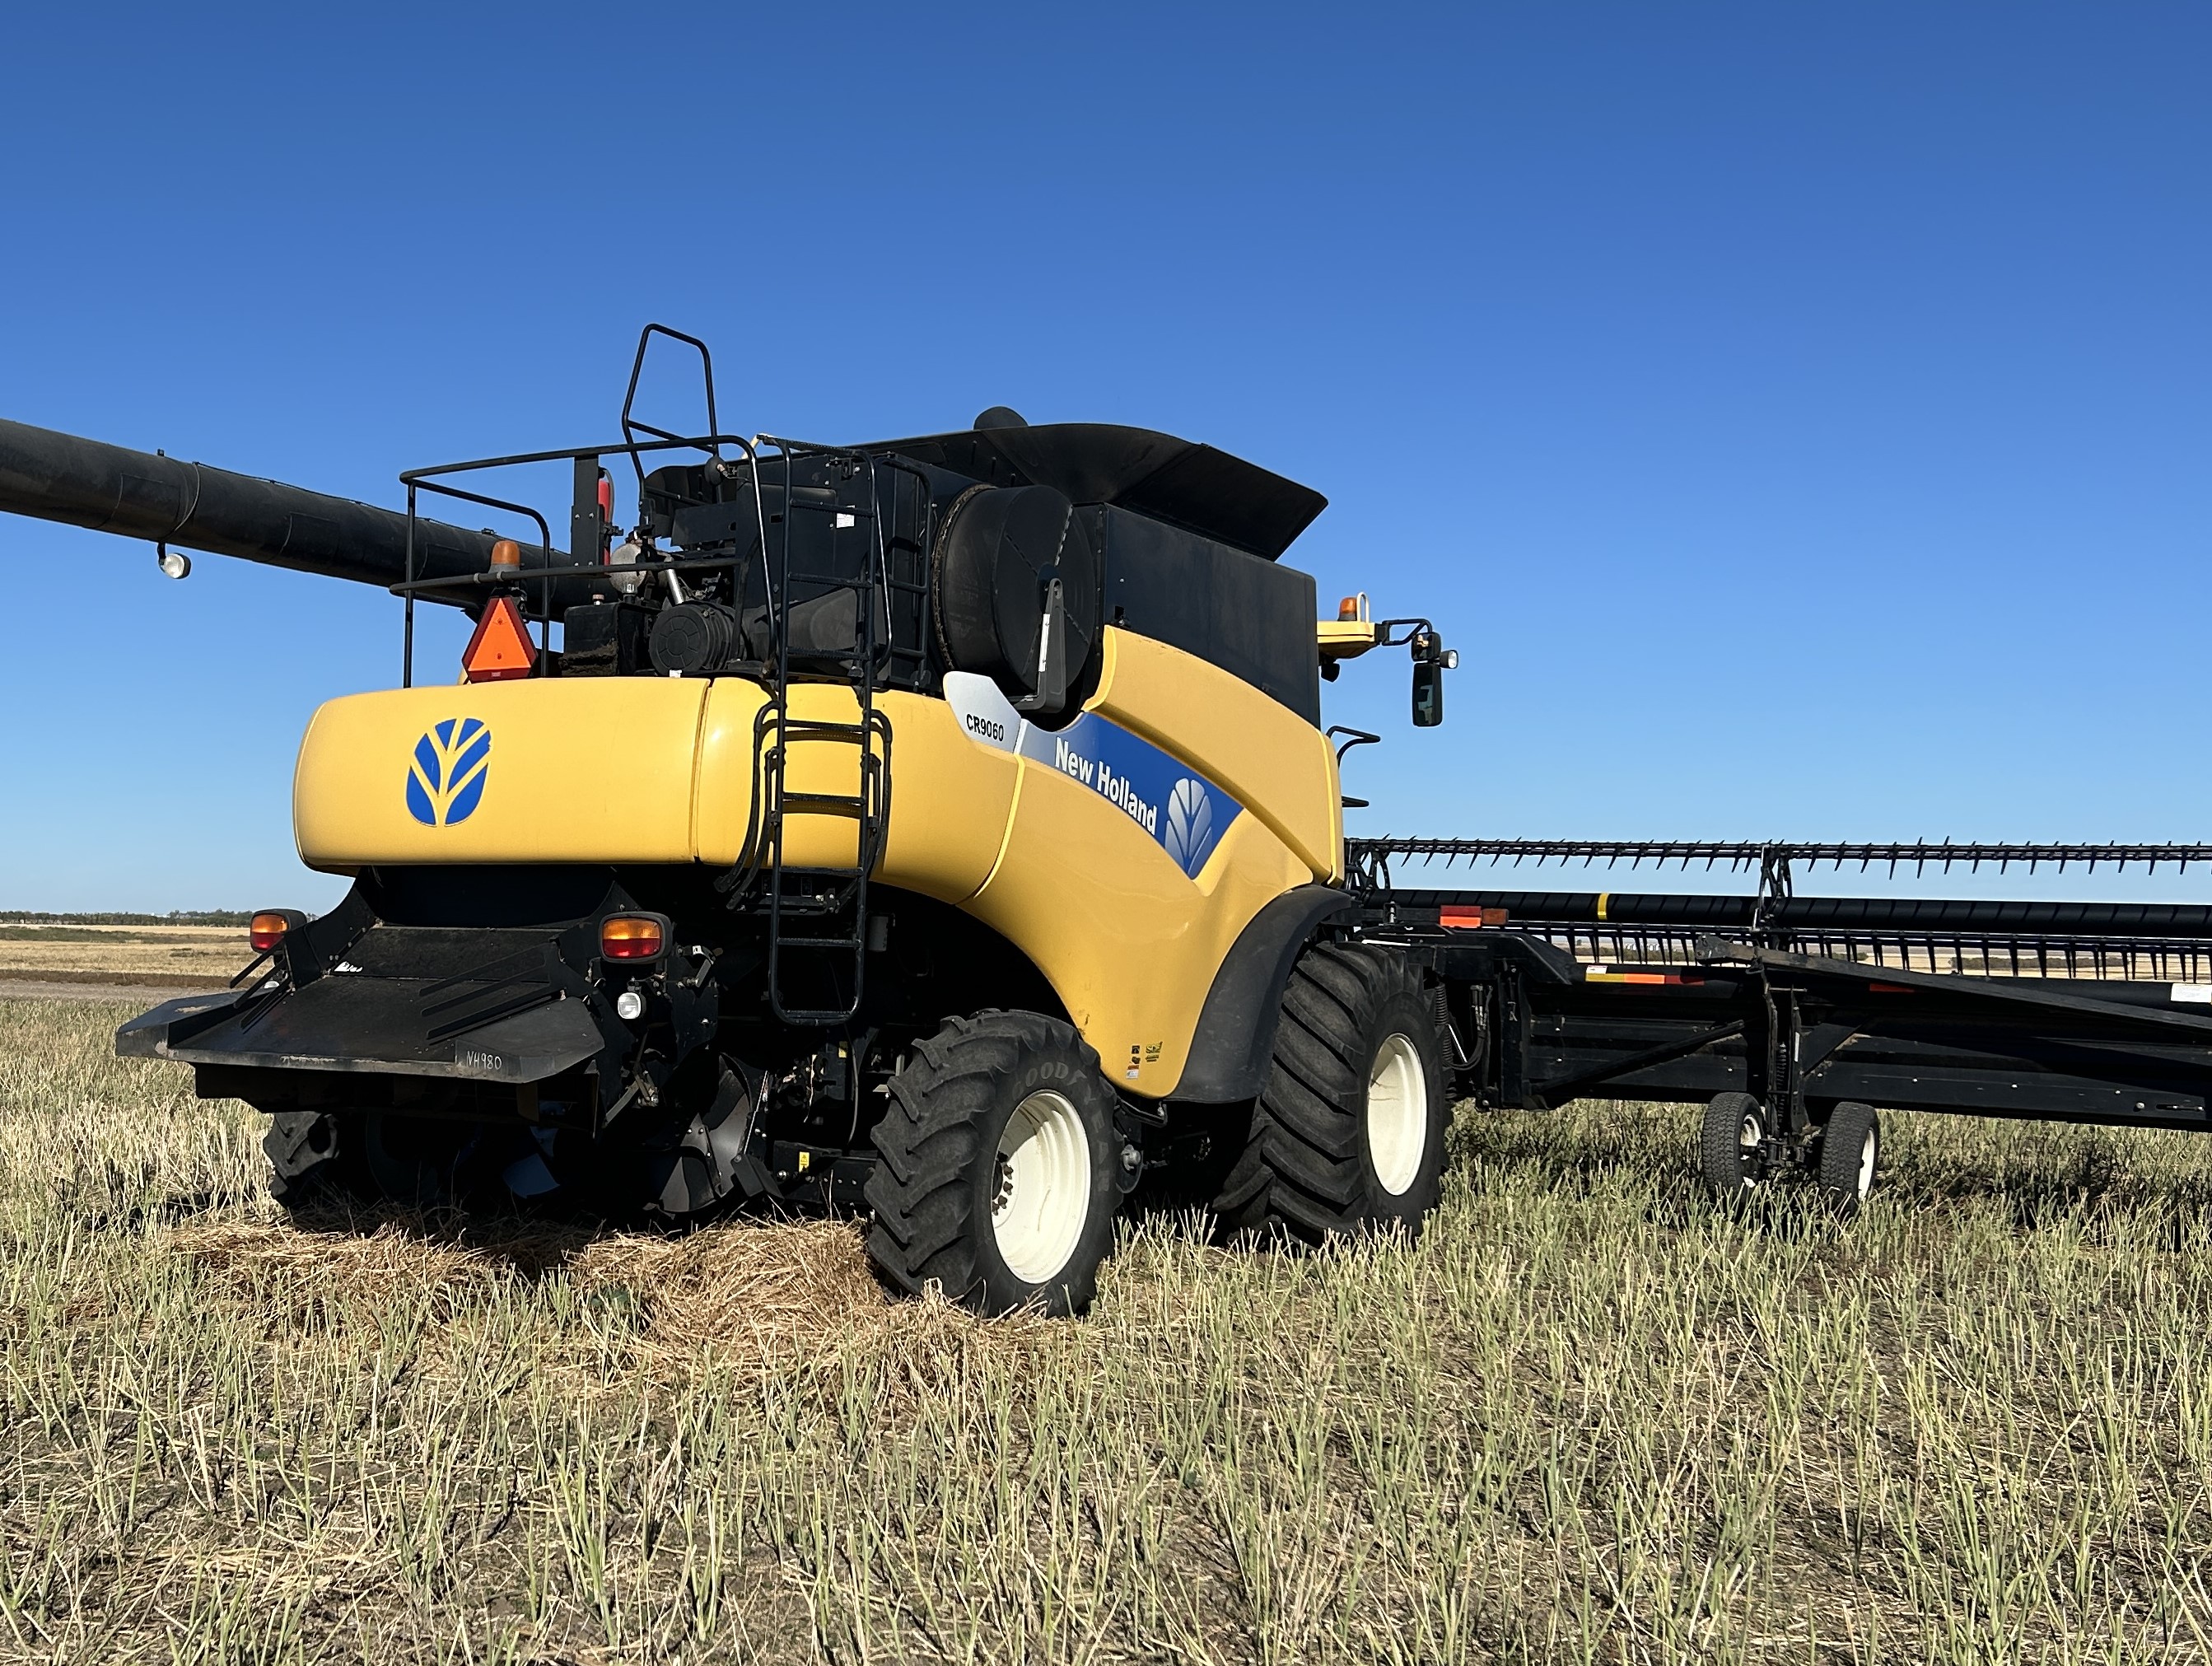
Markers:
point(1428, 694)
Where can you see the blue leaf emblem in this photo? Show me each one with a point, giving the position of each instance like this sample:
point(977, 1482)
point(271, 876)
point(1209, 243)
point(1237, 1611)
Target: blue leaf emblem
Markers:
point(1189, 832)
point(445, 776)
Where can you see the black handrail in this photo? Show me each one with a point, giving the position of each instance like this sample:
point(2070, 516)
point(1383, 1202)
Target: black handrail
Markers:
point(429, 478)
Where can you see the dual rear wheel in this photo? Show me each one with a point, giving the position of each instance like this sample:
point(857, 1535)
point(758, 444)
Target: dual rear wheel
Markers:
point(1738, 1149)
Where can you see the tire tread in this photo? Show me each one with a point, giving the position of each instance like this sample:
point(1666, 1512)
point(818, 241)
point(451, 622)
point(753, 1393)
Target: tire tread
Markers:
point(1303, 1169)
point(930, 1138)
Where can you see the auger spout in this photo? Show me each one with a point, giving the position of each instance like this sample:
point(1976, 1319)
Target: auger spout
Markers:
point(140, 494)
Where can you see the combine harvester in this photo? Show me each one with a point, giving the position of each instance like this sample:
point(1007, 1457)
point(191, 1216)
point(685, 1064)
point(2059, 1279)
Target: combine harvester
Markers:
point(946, 828)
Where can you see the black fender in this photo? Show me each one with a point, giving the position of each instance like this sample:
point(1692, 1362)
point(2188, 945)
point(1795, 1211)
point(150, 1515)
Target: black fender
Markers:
point(1235, 1036)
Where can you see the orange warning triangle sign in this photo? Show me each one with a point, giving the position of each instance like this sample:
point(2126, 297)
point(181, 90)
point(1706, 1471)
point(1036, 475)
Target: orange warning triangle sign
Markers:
point(501, 646)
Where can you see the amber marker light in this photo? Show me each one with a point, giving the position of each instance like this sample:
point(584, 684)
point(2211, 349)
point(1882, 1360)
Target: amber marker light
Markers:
point(506, 552)
point(633, 936)
point(267, 930)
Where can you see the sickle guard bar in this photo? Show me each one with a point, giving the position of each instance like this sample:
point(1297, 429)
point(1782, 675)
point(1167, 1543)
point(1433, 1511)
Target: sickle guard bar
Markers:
point(1370, 856)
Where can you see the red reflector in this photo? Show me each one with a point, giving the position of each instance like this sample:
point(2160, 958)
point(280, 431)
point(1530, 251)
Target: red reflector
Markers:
point(501, 646)
point(631, 937)
point(266, 931)
point(1889, 988)
point(1458, 917)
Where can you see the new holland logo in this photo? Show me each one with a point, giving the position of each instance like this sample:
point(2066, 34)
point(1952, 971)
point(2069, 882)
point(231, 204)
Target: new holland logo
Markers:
point(445, 777)
point(1189, 832)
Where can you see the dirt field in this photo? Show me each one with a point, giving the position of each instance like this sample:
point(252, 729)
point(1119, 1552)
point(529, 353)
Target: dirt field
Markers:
point(201, 956)
point(1586, 1418)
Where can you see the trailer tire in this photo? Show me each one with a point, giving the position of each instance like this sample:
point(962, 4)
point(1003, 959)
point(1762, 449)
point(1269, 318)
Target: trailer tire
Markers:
point(312, 1163)
point(1851, 1148)
point(1349, 1130)
point(1731, 1144)
point(998, 1169)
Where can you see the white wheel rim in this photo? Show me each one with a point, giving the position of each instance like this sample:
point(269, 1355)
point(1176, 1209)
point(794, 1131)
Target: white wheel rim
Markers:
point(1041, 1193)
point(1749, 1133)
point(1397, 1114)
point(1867, 1150)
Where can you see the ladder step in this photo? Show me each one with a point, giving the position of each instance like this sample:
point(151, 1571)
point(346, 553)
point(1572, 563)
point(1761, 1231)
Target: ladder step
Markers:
point(818, 729)
point(827, 919)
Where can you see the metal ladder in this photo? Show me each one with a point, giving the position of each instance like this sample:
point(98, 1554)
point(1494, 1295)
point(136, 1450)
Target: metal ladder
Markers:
point(816, 917)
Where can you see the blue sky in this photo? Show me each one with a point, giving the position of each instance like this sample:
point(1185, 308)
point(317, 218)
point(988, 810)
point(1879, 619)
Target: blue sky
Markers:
point(1798, 418)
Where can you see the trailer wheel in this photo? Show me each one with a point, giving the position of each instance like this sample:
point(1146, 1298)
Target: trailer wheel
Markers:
point(1349, 1130)
point(998, 1169)
point(1732, 1144)
point(311, 1162)
point(1851, 1148)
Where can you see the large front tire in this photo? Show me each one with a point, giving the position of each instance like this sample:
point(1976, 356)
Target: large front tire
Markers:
point(999, 1171)
point(1349, 1131)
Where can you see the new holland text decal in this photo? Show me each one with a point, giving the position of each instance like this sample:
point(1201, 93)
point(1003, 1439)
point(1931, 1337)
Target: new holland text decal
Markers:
point(445, 776)
point(1183, 811)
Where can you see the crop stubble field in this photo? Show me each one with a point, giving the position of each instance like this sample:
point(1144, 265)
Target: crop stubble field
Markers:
point(202, 955)
point(1587, 1418)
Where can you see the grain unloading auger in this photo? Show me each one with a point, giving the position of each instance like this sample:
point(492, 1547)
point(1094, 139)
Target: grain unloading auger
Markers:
point(944, 827)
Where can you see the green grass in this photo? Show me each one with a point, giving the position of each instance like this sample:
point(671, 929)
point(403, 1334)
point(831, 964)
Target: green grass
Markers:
point(1586, 1418)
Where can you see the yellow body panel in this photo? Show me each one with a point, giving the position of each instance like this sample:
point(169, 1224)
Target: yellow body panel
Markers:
point(950, 798)
point(1273, 762)
point(1129, 944)
point(641, 769)
point(580, 770)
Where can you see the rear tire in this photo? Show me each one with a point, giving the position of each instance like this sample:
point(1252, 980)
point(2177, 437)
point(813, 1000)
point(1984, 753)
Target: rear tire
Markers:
point(433, 1162)
point(1732, 1146)
point(999, 1170)
point(314, 1161)
point(321, 1159)
point(1850, 1150)
point(1349, 1131)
